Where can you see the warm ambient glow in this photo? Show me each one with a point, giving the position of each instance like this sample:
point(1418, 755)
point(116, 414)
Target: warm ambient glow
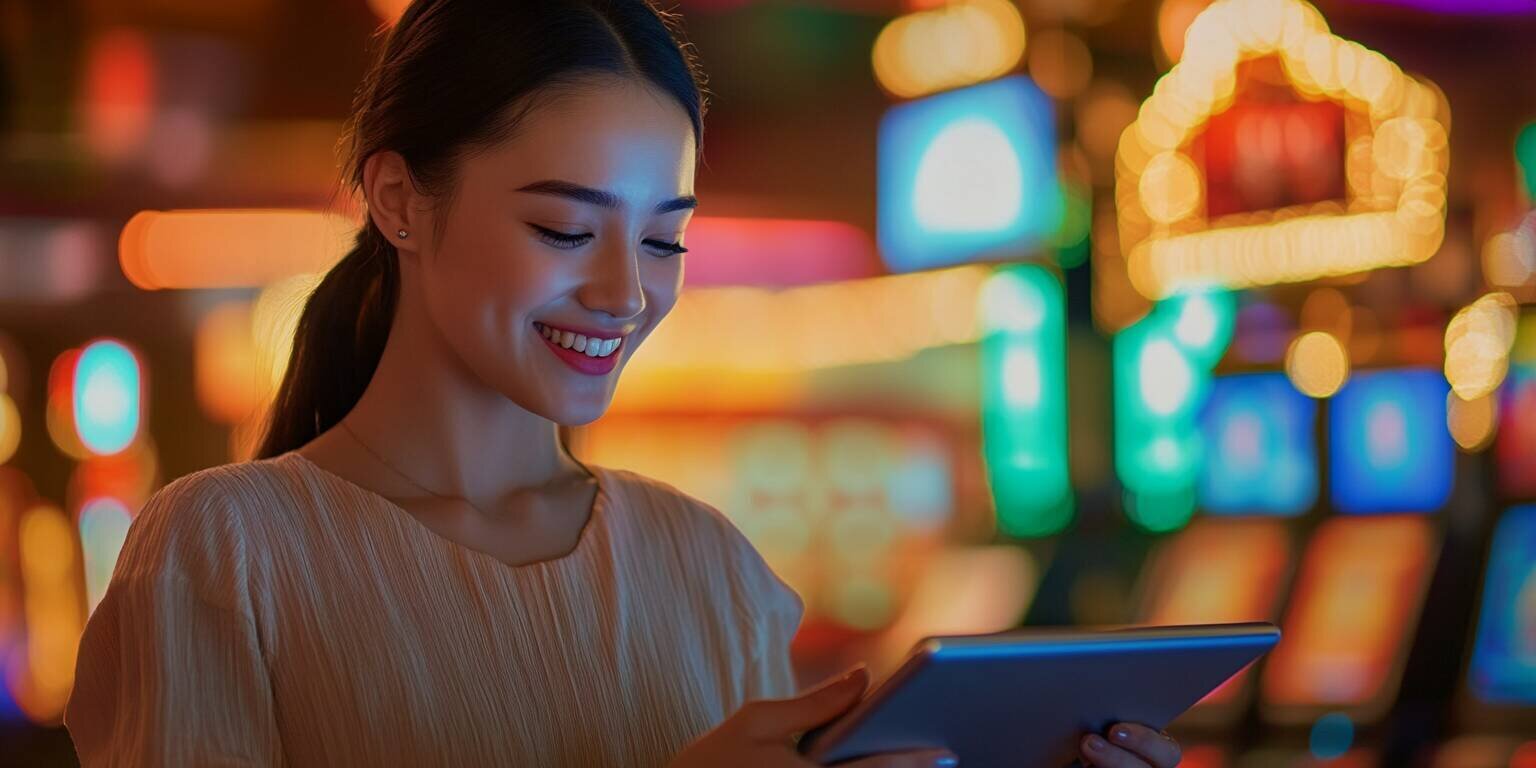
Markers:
point(1478, 341)
point(229, 248)
point(1395, 214)
point(1472, 422)
point(1317, 364)
point(764, 330)
point(962, 43)
point(54, 615)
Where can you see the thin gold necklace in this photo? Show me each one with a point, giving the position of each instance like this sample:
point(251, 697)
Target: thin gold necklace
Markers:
point(391, 467)
point(445, 497)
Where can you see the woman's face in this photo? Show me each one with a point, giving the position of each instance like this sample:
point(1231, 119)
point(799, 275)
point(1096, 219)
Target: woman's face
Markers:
point(556, 256)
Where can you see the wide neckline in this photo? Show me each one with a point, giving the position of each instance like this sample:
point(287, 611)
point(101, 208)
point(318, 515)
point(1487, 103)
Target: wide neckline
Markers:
point(595, 515)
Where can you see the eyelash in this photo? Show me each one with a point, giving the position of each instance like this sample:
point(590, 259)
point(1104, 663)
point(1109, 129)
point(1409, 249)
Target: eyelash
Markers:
point(563, 240)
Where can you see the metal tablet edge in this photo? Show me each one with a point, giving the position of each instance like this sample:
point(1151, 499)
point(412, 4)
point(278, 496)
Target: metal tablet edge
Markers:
point(916, 659)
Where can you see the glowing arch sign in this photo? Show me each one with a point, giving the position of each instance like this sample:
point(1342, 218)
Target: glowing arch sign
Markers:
point(1277, 152)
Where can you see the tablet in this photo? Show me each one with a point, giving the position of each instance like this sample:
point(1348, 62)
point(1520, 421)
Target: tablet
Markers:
point(1027, 697)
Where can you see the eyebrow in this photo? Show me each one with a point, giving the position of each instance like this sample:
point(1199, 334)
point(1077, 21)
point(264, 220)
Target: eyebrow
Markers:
point(600, 197)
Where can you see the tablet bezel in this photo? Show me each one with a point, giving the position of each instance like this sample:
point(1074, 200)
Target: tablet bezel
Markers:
point(1044, 643)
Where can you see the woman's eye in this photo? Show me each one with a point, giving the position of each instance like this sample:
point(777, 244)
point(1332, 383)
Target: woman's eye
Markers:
point(560, 239)
point(670, 249)
point(564, 240)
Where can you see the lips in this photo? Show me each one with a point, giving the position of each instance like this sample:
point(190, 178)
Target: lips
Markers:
point(581, 361)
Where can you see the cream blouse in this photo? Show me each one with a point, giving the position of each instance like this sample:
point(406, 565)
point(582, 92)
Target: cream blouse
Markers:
point(273, 613)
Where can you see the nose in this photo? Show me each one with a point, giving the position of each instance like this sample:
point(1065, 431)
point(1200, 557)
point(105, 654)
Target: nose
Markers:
point(612, 283)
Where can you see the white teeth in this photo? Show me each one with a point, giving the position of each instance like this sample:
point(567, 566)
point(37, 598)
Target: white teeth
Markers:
point(588, 346)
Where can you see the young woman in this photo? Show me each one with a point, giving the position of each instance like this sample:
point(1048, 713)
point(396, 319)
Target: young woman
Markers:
point(416, 572)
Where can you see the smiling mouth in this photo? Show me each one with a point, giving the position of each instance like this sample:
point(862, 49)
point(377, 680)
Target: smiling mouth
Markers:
point(591, 346)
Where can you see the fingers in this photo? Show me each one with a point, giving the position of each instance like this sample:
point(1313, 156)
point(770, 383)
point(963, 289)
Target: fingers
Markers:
point(1155, 747)
point(931, 758)
point(777, 719)
point(1102, 754)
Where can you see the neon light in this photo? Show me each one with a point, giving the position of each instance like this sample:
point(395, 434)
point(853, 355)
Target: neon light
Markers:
point(103, 527)
point(229, 248)
point(106, 397)
point(1162, 373)
point(1390, 449)
point(1024, 400)
point(1503, 669)
point(1260, 455)
point(1394, 214)
point(968, 175)
point(777, 252)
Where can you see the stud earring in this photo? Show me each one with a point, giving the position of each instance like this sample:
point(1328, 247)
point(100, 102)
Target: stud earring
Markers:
point(403, 234)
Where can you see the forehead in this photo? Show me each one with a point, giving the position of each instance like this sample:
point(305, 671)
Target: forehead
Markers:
point(618, 135)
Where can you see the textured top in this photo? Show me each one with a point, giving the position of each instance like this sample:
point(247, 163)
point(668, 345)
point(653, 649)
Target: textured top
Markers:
point(274, 613)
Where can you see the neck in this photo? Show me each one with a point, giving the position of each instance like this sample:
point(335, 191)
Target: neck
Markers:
point(437, 423)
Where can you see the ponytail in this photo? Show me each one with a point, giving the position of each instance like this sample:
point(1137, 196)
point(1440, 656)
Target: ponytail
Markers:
point(337, 346)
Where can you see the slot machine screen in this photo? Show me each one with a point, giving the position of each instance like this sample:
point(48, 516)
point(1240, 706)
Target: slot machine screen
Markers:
point(1354, 607)
point(1515, 451)
point(1218, 571)
point(1389, 448)
point(1503, 668)
point(1261, 457)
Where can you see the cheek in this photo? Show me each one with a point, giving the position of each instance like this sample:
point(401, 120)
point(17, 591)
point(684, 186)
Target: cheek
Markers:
point(482, 289)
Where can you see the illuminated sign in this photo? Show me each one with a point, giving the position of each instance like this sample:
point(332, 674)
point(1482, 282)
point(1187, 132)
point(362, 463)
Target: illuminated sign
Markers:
point(1356, 600)
point(1276, 152)
point(1389, 447)
point(968, 175)
point(1503, 667)
point(1259, 451)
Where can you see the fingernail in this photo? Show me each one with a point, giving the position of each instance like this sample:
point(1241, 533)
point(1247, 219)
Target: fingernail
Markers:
point(947, 761)
point(1122, 734)
point(1096, 743)
point(851, 674)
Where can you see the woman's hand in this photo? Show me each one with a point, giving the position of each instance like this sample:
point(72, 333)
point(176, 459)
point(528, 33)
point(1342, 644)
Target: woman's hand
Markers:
point(761, 733)
point(1131, 746)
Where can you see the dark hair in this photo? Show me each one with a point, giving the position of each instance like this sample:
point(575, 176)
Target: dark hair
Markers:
point(454, 76)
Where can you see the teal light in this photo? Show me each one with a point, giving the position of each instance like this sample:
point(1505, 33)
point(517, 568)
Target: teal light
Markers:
point(1162, 377)
point(1024, 400)
point(103, 529)
point(1525, 157)
point(106, 397)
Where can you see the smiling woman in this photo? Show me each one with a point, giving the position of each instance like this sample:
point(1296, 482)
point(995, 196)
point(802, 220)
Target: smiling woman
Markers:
point(416, 571)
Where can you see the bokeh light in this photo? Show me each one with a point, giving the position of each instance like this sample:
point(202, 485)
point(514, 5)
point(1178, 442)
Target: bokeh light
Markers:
point(107, 396)
point(958, 44)
point(1317, 364)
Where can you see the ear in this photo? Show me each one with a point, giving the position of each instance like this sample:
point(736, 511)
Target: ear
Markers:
point(392, 197)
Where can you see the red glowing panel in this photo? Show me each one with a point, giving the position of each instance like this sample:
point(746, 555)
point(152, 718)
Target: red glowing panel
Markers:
point(1270, 150)
point(776, 252)
point(1219, 571)
point(119, 92)
point(1517, 434)
point(1354, 606)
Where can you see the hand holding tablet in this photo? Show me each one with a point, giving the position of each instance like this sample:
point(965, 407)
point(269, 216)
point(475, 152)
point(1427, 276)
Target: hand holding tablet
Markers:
point(1027, 698)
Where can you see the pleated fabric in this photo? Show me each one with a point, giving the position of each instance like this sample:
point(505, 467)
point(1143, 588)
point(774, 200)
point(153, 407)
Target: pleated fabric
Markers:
point(273, 613)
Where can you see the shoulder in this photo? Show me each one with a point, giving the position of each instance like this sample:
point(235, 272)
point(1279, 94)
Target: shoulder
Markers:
point(196, 528)
point(705, 539)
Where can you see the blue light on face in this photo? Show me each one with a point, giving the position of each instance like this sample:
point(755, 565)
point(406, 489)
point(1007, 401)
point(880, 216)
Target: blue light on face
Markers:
point(1389, 447)
point(1260, 455)
point(967, 174)
point(106, 397)
point(1503, 669)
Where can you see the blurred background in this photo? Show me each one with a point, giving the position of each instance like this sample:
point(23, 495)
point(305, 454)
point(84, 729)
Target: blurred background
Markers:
point(1000, 313)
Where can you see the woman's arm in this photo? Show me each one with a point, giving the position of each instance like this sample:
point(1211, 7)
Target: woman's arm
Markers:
point(170, 669)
